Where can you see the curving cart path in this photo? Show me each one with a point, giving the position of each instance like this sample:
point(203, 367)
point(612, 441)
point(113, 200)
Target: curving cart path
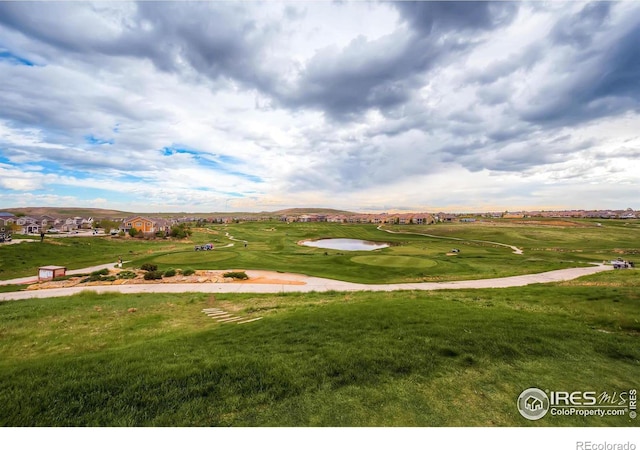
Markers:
point(515, 249)
point(274, 282)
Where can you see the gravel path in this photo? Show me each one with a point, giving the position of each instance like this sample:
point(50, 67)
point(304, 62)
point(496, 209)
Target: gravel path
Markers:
point(273, 282)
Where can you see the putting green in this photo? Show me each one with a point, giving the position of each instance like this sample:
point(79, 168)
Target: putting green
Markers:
point(194, 257)
point(394, 261)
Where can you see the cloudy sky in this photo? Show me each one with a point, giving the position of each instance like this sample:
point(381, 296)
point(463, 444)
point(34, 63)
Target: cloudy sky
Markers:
point(365, 106)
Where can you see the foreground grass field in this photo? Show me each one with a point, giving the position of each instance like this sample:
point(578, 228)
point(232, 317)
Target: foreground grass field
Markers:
point(455, 358)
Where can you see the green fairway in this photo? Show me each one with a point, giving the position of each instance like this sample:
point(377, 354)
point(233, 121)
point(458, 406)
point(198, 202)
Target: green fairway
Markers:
point(20, 260)
point(410, 257)
point(394, 261)
point(455, 358)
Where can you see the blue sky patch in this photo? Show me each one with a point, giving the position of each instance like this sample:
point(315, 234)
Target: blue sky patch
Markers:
point(229, 159)
point(5, 160)
point(86, 193)
point(219, 163)
point(173, 150)
point(50, 167)
point(91, 139)
point(246, 176)
point(234, 194)
point(128, 178)
point(6, 55)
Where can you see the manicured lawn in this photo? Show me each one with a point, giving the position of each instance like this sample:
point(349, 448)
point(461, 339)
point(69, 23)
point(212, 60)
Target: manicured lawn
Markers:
point(584, 240)
point(21, 260)
point(454, 358)
point(12, 287)
point(410, 257)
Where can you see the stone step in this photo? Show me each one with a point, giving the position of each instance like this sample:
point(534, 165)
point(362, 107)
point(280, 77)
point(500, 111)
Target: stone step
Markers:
point(231, 319)
point(250, 320)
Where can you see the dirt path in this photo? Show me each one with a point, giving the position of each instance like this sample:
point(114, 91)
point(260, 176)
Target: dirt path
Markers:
point(515, 249)
point(275, 282)
point(18, 241)
point(231, 238)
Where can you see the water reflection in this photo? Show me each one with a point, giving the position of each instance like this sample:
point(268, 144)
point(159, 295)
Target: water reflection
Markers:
point(345, 244)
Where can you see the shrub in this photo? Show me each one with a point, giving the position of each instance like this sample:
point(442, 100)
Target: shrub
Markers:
point(92, 278)
point(101, 272)
point(236, 275)
point(133, 232)
point(149, 267)
point(180, 231)
point(170, 273)
point(187, 272)
point(153, 275)
point(127, 275)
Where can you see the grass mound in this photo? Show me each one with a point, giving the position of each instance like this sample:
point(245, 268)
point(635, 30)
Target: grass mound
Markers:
point(394, 261)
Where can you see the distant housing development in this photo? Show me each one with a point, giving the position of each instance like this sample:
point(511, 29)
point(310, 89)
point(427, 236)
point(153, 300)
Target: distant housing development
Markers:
point(146, 225)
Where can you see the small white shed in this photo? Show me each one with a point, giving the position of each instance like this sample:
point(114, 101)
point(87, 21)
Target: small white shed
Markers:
point(50, 272)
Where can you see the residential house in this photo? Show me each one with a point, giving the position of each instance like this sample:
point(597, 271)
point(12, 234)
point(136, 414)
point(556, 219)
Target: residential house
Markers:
point(29, 225)
point(24, 220)
point(423, 219)
point(31, 228)
point(145, 225)
point(47, 222)
point(86, 224)
point(339, 218)
point(513, 215)
point(6, 222)
point(446, 217)
point(69, 224)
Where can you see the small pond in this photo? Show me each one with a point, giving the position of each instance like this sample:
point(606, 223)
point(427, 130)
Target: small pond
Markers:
point(345, 244)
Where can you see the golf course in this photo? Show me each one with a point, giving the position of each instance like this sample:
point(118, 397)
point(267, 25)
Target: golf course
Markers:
point(459, 357)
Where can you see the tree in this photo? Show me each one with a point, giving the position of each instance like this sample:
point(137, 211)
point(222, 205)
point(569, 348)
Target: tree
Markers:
point(107, 224)
point(180, 231)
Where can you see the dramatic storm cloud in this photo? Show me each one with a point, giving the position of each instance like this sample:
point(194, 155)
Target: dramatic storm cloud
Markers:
point(212, 106)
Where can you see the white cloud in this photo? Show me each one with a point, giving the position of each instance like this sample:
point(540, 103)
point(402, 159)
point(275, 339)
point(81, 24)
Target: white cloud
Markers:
point(347, 105)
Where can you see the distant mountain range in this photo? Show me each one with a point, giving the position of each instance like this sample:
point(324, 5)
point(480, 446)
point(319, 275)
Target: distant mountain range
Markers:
point(98, 213)
point(111, 213)
point(67, 212)
point(298, 211)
